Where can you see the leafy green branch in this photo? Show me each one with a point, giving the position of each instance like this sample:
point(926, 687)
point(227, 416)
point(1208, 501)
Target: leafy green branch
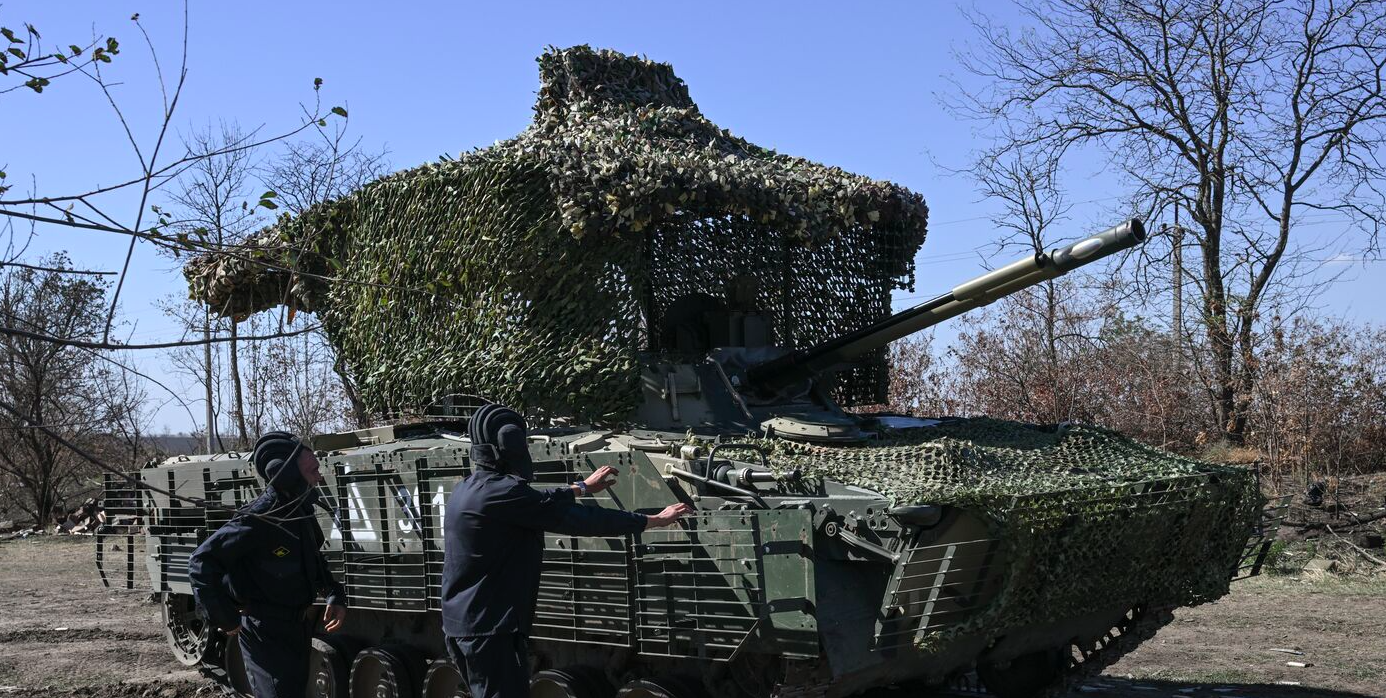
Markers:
point(25, 60)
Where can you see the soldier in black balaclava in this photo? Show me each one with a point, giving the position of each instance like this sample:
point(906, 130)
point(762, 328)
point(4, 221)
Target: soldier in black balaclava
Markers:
point(256, 577)
point(494, 543)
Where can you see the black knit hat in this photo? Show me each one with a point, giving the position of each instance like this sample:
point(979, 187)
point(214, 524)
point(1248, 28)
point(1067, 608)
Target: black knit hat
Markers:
point(504, 430)
point(272, 451)
point(485, 425)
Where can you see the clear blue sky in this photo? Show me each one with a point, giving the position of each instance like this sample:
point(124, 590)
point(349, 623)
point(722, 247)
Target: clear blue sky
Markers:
point(850, 84)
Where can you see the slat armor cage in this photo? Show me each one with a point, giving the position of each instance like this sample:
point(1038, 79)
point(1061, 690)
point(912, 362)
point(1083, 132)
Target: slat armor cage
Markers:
point(695, 591)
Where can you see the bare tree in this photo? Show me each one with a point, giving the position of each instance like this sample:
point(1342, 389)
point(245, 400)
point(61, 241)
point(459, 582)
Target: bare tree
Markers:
point(213, 198)
point(1238, 110)
point(312, 171)
point(97, 210)
point(308, 173)
point(306, 396)
point(57, 386)
point(1031, 204)
point(203, 365)
point(106, 209)
point(122, 398)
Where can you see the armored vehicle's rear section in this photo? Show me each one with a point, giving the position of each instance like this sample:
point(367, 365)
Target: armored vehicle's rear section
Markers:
point(709, 309)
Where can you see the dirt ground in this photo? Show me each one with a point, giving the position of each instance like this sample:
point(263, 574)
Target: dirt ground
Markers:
point(63, 634)
point(1335, 622)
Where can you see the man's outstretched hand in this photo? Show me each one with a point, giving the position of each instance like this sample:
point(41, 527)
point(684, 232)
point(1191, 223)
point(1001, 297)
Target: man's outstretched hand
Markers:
point(605, 477)
point(602, 479)
point(671, 513)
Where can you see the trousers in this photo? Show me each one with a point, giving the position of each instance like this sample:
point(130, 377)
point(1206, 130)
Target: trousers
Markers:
point(492, 666)
point(276, 652)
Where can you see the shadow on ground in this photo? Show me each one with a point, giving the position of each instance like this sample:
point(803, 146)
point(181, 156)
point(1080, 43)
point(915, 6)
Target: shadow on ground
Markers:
point(1114, 688)
point(1106, 687)
point(169, 689)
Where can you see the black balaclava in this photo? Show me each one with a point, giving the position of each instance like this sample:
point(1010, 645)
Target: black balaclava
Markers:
point(276, 460)
point(500, 441)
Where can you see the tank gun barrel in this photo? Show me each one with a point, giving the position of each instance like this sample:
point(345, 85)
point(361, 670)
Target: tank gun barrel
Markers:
point(1018, 275)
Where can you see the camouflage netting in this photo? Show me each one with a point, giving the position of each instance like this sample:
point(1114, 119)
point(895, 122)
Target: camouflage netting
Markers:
point(1089, 519)
point(533, 272)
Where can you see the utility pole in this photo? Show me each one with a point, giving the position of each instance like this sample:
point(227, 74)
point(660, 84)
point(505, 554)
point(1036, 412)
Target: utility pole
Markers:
point(207, 357)
point(1178, 290)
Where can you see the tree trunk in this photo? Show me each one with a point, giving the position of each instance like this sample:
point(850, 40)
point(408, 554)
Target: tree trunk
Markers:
point(239, 405)
point(1050, 319)
point(1208, 212)
point(1224, 359)
point(207, 358)
point(359, 414)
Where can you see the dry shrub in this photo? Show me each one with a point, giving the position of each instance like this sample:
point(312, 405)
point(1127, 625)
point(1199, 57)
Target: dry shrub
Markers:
point(1063, 354)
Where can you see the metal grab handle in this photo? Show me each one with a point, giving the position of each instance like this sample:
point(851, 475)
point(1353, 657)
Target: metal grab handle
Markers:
point(719, 485)
point(764, 459)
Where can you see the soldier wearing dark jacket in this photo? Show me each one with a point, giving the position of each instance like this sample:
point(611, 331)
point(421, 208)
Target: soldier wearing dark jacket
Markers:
point(494, 542)
point(257, 576)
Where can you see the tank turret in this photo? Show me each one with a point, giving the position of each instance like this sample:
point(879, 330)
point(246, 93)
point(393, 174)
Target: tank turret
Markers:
point(756, 387)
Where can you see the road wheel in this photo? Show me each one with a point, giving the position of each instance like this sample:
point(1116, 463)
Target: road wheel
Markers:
point(1026, 676)
point(330, 672)
point(444, 681)
point(573, 682)
point(661, 687)
point(187, 632)
point(381, 672)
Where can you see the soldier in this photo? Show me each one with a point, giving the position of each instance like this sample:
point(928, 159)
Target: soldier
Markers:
point(494, 541)
point(257, 576)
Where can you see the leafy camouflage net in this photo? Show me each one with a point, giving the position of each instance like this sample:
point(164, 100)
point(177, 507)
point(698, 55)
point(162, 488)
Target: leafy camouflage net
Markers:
point(535, 271)
point(1089, 519)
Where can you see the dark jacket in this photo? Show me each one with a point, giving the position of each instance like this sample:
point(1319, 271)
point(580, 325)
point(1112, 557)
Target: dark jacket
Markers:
point(494, 543)
point(262, 568)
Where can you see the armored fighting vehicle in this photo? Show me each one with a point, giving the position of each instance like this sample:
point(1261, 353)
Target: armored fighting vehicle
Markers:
point(699, 313)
